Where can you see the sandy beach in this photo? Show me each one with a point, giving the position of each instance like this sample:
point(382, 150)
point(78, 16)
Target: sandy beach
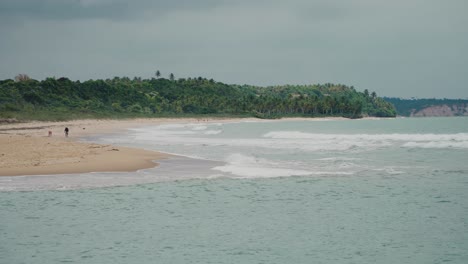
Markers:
point(27, 148)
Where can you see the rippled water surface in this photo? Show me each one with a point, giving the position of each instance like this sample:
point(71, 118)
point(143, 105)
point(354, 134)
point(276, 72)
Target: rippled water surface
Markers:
point(352, 191)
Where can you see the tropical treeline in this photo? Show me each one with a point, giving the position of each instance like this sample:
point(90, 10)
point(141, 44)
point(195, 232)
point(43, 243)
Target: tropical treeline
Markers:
point(407, 107)
point(62, 98)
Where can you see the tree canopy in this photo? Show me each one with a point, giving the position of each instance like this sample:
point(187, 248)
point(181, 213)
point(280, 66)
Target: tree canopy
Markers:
point(63, 98)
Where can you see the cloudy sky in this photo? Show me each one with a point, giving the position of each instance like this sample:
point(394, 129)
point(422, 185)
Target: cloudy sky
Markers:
point(402, 48)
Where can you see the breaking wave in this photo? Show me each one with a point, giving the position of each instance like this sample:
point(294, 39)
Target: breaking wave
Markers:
point(243, 166)
point(458, 140)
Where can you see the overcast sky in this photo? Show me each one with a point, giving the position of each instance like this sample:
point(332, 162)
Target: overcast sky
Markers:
point(402, 48)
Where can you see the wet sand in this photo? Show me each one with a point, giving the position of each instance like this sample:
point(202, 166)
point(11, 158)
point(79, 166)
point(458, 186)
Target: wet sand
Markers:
point(27, 149)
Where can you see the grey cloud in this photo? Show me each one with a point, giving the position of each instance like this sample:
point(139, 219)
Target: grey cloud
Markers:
point(397, 48)
point(54, 9)
point(101, 9)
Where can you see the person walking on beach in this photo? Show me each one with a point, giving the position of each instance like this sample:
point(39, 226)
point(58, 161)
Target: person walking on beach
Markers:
point(66, 132)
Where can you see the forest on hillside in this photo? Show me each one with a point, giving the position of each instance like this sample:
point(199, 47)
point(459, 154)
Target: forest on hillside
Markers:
point(406, 107)
point(62, 98)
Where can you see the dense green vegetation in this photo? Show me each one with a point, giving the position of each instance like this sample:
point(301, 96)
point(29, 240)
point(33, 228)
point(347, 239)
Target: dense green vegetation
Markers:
point(58, 99)
point(405, 107)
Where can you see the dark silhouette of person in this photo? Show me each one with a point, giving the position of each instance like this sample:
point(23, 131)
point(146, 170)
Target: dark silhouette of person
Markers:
point(66, 131)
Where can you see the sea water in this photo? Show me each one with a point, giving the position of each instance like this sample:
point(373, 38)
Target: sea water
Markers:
point(329, 191)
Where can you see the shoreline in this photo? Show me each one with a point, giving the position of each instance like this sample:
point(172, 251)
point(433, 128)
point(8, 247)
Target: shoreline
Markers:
point(49, 156)
point(26, 148)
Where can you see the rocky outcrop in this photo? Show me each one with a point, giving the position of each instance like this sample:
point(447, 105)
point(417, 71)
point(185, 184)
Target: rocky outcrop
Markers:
point(442, 110)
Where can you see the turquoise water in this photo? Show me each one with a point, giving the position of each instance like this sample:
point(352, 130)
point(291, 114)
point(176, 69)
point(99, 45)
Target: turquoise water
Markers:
point(353, 191)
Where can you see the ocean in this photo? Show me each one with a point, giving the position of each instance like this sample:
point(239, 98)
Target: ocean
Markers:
point(282, 191)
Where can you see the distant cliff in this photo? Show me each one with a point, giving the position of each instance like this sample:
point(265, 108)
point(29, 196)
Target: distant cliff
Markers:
point(429, 107)
point(442, 110)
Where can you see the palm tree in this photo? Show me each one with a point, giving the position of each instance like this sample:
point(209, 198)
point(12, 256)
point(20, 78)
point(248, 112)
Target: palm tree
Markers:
point(366, 93)
point(22, 77)
point(158, 74)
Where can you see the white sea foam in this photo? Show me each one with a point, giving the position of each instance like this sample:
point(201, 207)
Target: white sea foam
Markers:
point(338, 159)
point(394, 136)
point(247, 166)
point(196, 135)
point(195, 140)
point(259, 172)
point(390, 170)
point(212, 132)
point(437, 144)
point(197, 128)
point(349, 165)
point(161, 132)
point(166, 126)
point(393, 171)
point(347, 141)
point(243, 166)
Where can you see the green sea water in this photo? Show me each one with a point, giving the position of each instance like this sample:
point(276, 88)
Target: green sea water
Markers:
point(354, 191)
